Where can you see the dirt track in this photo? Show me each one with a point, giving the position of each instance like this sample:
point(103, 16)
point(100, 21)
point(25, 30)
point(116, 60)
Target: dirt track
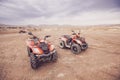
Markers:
point(101, 61)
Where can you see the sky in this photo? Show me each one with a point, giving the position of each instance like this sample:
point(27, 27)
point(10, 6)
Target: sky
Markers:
point(61, 12)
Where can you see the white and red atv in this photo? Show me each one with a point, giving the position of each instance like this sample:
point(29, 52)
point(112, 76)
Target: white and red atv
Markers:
point(75, 42)
point(39, 50)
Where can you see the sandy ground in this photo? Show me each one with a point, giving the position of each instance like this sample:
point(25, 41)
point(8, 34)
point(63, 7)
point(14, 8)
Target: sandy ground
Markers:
point(101, 61)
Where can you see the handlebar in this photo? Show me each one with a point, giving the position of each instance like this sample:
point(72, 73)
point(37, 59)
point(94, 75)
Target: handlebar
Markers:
point(74, 33)
point(30, 33)
point(47, 36)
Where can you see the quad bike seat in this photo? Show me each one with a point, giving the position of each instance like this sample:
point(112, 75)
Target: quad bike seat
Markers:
point(69, 39)
point(67, 36)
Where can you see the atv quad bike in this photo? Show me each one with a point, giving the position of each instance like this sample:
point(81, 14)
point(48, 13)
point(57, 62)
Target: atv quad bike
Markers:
point(39, 50)
point(75, 42)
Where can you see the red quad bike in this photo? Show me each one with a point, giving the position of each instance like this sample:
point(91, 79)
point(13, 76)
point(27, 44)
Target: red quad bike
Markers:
point(75, 43)
point(39, 50)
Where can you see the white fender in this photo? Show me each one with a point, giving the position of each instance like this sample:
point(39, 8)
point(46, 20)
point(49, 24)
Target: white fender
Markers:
point(64, 39)
point(78, 41)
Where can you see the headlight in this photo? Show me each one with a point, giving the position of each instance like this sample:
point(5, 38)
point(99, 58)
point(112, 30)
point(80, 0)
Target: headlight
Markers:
point(35, 50)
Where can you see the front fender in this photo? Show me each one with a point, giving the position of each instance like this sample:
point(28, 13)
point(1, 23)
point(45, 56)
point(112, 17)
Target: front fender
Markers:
point(78, 41)
point(51, 47)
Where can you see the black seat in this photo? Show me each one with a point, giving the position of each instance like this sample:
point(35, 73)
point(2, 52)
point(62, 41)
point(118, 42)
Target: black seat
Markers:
point(69, 39)
point(67, 36)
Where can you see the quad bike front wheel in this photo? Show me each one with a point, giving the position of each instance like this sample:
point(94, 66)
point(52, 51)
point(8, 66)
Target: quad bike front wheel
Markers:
point(54, 57)
point(75, 48)
point(33, 61)
point(62, 44)
point(85, 46)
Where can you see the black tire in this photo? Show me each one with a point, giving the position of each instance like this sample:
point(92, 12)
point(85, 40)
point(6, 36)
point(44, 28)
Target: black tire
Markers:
point(54, 57)
point(28, 49)
point(62, 44)
point(75, 48)
point(33, 61)
point(85, 47)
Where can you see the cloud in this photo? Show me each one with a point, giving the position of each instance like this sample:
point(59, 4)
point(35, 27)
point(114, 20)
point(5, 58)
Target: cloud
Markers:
point(79, 12)
point(87, 18)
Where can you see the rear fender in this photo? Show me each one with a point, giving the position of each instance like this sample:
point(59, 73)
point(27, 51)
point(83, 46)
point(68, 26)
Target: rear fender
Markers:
point(63, 39)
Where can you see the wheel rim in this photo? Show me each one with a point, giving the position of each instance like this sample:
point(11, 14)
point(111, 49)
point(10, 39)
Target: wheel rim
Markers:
point(61, 44)
point(75, 49)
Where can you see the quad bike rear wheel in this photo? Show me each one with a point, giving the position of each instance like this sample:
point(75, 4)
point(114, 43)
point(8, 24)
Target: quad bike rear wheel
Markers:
point(33, 61)
point(54, 57)
point(62, 44)
point(75, 48)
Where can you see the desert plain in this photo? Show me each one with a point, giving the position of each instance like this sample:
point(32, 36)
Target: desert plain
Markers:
point(101, 61)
